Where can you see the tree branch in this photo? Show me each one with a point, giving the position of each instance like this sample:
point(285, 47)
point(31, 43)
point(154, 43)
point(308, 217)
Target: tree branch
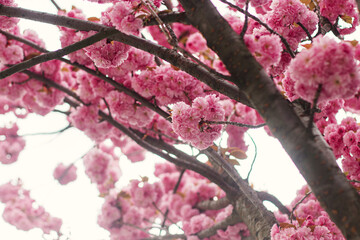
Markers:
point(168, 55)
point(168, 18)
point(167, 237)
point(246, 13)
point(118, 86)
point(222, 225)
point(182, 159)
point(53, 84)
point(258, 219)
point(311, 155)
point(213, 205)
point(265, 196)
point(236, 124)
point(56, 54)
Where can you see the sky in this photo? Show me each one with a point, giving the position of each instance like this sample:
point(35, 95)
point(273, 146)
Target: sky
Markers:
point(77, 203)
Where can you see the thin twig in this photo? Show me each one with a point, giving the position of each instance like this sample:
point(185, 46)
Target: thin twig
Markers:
point(54, 85)
point(313, 109)
point(236, 124)
point(46, 133)
point(174, 192)
point(23, 40)
point(305, 30)
point(283, 40)
point(253, 161)
point(56, 5)
point(165, 215)
point(297, 204)
point(243, 31)
point(173, 41)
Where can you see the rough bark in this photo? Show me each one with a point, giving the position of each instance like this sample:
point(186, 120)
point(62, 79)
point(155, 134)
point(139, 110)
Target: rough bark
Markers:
point(310, 153)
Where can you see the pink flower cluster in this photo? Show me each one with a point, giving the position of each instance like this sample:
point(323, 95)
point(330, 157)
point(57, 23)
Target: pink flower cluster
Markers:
point(122, 16)
point(137, 60)
point(70, 36)
point(312, 222)
point(254, 3)
point(22, 212)
point(182, 32)
point(141, 202)
point(344, 139)
point(7, 23)
point(285, 16)
point(328, 63)
point(162, 129)
point(10, 144)
point(332, 9)
point(196, 43)
point(65, 174)
point(102, 167)
point(107, 54)
point(189, 122)
point(87, 120)
point(167, 85)
point(31, 94)
point(10, 52)
point(90, 88)
point(127, 111)
point(266, 48)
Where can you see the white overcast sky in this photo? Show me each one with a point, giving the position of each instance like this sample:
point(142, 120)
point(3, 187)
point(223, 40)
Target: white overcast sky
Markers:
point(78, 203)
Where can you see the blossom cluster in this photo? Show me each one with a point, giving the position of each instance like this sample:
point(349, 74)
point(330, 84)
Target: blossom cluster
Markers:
point(345, 9)
point(22, 212)
point(10, 144)
point(7, 23)
point(102, 167)
point(329, 64)
point(312, 222)
point(65, 174)
point(285, 17)
point(28, 93)
point(167, 85)
point(344, 139)
point(190, 122)
point(141, 202)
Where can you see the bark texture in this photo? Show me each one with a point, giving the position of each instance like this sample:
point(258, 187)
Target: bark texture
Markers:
point(310, 153)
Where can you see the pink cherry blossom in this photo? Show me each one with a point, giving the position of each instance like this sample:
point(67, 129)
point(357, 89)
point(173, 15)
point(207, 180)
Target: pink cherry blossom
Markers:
point(334, 68)
point(65, 174)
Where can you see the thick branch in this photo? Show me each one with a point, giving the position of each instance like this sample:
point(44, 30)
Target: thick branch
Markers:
point(167, 237)
point(168, 18)
point(213, 205)
point(229, 221)
point(311, 155)
point(264, 196)
point(168, 55)
point(258, 219)
point(182, 159)
point(56, 54)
